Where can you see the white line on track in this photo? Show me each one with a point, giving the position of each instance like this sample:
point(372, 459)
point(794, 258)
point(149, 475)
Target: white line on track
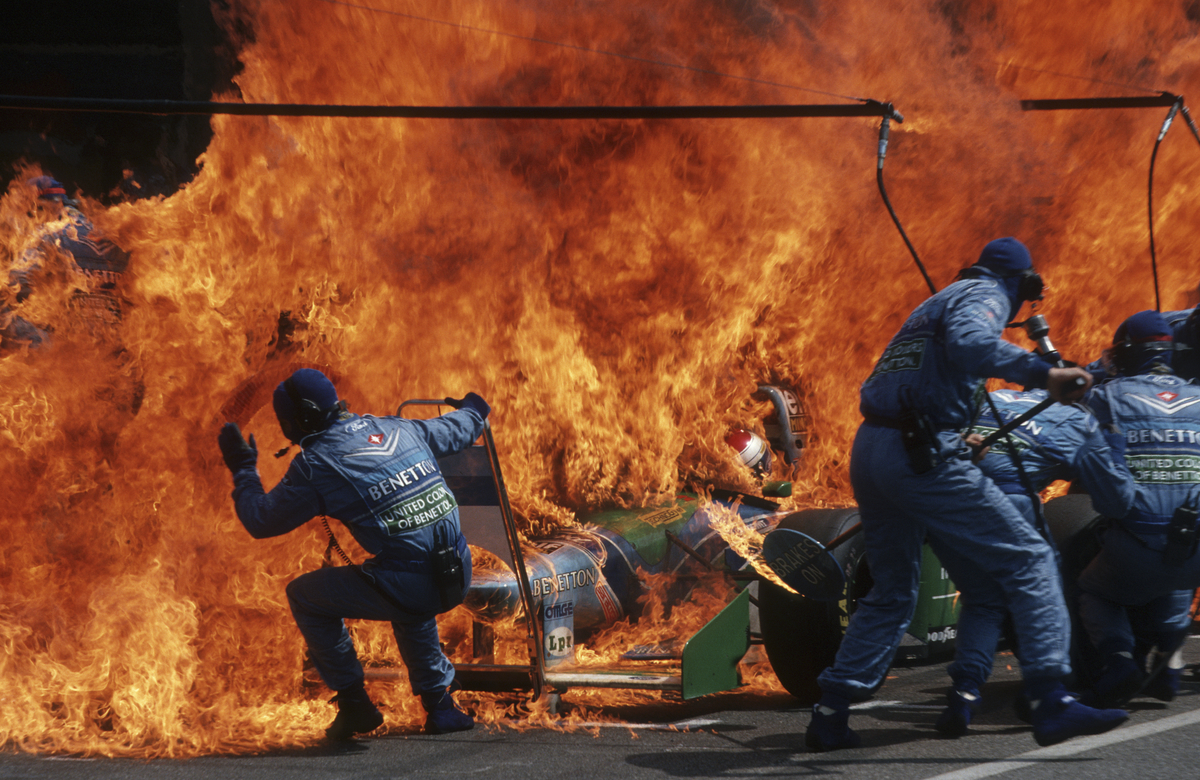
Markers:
point(1073, 747)
point(681, 725)
point(894, 705)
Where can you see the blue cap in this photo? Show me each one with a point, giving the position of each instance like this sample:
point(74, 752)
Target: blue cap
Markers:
point(1005, 256)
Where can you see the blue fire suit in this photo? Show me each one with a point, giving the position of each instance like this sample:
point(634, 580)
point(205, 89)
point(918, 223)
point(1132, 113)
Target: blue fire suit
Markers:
point(1159, 416)
point(379, 476)
point(1063, 442)
point(100, 265)
point(936, 365)
point(1186, 360)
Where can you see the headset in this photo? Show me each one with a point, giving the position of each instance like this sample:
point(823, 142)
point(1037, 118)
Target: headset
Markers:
point(1129, 355)
point(310, 418)
point(1029, 286)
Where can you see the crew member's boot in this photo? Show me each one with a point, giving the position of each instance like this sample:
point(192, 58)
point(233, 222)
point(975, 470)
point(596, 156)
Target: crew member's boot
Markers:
point(1165, 685)
point(1166, 676)
point(829, 728)
point(1057, 717)
point(356, 714)
point(1121, 680)
point(960, 706)
point(444, 715)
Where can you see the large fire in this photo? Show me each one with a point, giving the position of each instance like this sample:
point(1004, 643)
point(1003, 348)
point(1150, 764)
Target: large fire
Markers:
point(615, 289)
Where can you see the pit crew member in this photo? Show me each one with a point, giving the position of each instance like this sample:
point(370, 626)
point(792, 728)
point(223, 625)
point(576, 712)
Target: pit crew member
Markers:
point(913, 477)
point(1149, 559)
point(1063, 442)
point(379, 476)
point(1185, 330)
point(97, 264)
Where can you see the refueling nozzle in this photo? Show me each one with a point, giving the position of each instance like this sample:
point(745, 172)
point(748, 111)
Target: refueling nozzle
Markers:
point(1039, 333)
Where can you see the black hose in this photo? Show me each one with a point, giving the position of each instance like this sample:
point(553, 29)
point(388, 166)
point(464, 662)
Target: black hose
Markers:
point(1187, 117)
point(1150, 196)
point(884, 131)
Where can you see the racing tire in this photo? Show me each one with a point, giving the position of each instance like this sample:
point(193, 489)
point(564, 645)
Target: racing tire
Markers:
point(801, 636)
point(1078, 531)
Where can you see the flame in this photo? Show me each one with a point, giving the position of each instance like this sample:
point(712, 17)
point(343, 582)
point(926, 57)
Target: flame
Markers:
point(615, 289)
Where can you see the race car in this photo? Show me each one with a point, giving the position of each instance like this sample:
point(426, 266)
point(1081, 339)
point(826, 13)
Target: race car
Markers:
point(568, 588)
point(579, 582)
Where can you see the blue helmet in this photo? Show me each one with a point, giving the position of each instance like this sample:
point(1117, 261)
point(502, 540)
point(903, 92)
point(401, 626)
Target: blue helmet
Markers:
point(1142, 342)
point(49, 188)
point(305, 403)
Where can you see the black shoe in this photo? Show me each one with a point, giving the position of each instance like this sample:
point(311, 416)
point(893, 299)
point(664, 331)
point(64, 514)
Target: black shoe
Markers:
point(954, 721)
point(1058, 717)
point(1121, 680)
point(1022, 710)
point(356, 714)
point(830, 730)
point(444, 715)
point(1164, 685)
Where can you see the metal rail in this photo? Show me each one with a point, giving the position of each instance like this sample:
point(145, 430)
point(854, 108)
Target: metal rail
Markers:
point(1070, 104)
point(533, 635)
point(166, 107)
point(1175, 102)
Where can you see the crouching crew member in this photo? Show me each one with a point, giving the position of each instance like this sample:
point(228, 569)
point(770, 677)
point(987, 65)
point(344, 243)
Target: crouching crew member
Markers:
point(1063, 442)
point(913, 477)
point(1149, 559)
point(379, 476)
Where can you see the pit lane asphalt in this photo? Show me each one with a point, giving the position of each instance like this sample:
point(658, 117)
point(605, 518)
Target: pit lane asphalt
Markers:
point(729, 735)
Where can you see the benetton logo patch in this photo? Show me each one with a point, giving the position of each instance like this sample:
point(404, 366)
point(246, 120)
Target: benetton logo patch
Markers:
point(1165, 402)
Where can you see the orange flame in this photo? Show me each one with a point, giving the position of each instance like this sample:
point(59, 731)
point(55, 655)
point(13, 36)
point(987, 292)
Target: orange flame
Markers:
point(615, 289)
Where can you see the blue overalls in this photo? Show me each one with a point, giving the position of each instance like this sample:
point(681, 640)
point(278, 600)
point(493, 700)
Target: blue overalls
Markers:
point(379, 476)
point(936, 365)
point(1063, 442)
point(1159, 416)
point(101, 265)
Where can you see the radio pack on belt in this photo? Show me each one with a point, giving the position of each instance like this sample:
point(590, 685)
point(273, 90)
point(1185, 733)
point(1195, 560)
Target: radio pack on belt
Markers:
point(1181, 536)
point(920, 441)
point(447, 571)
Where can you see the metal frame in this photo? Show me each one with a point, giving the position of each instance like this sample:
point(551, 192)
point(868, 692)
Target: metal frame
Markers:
point(536, 669)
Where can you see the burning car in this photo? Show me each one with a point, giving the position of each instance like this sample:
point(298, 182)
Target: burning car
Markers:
point(574, 584)
point(578, 583)
point(570, 587)
point(618, 287)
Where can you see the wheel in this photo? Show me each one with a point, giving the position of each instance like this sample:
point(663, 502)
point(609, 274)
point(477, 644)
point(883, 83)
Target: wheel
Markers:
point(1077, 529)
point(802, 636)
